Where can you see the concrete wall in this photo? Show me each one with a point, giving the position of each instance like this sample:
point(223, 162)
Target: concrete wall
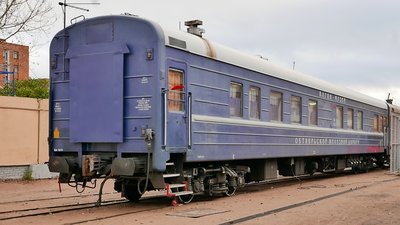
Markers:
point(13, 172)
point(23, 131)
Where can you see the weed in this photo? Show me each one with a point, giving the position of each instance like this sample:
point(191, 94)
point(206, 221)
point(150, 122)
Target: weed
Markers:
point(27, 174)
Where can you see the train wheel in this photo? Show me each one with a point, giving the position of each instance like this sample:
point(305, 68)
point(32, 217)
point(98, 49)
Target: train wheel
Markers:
point(131, 193)
point(186, 199)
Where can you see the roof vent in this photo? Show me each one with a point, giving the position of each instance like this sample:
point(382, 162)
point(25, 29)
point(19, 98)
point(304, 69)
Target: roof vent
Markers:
point(193, 29)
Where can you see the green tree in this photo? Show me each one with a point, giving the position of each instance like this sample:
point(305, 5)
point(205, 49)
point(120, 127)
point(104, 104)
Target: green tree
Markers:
point(32, 88)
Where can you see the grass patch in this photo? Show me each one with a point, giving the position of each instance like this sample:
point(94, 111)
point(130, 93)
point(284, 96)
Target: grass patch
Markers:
point(27, 174)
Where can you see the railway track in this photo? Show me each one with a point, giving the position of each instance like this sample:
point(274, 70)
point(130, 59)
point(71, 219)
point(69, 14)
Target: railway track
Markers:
point(278, 183)
point(289, 180)
point(300, 179)
point(38, 211)
point(55, 209)
point(303, 203)
point(55, 198)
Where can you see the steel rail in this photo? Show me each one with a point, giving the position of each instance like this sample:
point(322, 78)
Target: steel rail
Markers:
point(61, 208)
point(299, 204)
point(54, 198)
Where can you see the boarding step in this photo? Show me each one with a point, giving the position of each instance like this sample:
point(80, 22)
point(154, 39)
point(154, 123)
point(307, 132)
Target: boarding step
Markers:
point(177, 185)
point(169, 175)
point(177, 189)
point(180, 193)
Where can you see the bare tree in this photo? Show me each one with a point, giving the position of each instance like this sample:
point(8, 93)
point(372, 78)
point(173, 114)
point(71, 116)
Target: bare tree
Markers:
point(24, 17)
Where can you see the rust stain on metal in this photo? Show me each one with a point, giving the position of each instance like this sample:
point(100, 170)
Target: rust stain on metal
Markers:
point(210, 49)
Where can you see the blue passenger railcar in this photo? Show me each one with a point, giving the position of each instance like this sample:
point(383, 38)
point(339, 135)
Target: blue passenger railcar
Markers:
point(158, 109)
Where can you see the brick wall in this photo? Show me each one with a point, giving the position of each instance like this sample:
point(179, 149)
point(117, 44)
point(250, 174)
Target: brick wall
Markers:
point(18, 56)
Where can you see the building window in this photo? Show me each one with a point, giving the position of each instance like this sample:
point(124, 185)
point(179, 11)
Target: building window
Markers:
point(16, 55)
point(5, 67)
point(254, 101)
point(14, 76)
point(312, 112)
point(376, 119)
point(360, 120)
point(350, 115)
point(296, 109)
point(6, 55)
point(339, 117)
point(275, 103)
point(175, 94)
point(235, 100)
point(15, 70)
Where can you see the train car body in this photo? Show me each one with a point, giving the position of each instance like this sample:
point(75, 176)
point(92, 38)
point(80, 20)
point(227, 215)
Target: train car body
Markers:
point(155, 108)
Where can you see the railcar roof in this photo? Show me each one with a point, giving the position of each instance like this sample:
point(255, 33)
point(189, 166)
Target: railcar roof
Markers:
point(197, 45)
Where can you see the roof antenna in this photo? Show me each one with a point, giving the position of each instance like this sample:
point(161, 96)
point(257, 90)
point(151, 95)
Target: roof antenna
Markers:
point(389, 100)
point(65, 4)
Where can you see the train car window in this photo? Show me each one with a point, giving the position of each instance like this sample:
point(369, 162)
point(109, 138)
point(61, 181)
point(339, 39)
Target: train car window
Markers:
point(312, 112)
point(339, 117)
point(350, 115)
point(360, 120)
point(175, 95)
point(376, 118)
point(254, 102)
point(275, 103)
point(380, 124)
point(296, 109)
point(385, 124)
point(235, 100)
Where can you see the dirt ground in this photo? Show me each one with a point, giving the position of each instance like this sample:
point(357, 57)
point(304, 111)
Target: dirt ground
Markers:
point(366, 198)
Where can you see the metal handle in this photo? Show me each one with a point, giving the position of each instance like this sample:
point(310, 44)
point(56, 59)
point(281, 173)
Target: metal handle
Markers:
point(164, 96)
point(189, 112)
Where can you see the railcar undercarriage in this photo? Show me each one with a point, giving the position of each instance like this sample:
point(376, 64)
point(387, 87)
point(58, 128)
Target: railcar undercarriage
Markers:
point(184, 180)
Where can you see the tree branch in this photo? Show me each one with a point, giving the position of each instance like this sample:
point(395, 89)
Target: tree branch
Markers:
point(23, 16)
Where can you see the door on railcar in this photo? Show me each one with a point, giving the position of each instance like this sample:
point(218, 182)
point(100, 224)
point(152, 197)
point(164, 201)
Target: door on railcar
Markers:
point(394, 138)
point(175, 132)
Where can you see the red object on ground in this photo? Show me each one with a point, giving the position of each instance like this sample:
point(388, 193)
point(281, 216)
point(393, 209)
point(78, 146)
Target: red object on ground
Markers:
point(174, 202)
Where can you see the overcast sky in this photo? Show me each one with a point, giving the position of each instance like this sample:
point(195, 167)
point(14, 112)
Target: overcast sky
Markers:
point(352, 43)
